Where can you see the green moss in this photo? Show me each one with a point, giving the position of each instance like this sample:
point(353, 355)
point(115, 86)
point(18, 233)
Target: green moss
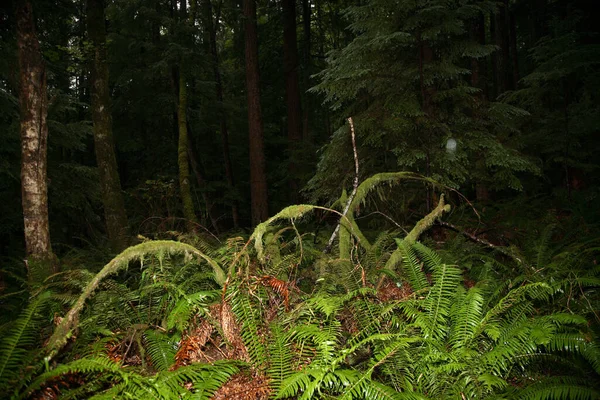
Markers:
point(159, 248)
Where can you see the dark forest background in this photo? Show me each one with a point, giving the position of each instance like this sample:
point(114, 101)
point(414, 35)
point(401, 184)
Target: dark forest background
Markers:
point(193, 123)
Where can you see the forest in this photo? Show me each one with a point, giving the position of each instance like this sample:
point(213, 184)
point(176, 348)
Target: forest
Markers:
point(300, 199)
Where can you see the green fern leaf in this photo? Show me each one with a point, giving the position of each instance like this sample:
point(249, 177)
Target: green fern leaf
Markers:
point(19, 339)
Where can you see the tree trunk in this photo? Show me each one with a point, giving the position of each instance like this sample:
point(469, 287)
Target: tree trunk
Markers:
point(183, 162)
point(33, 101)
point(427, 93)
point(182, 157)
point(212, 34)
point(478, 75)
point(292, 92)
point(112, 198)
point(258, 177)
point(306, 17)
point(201, 183)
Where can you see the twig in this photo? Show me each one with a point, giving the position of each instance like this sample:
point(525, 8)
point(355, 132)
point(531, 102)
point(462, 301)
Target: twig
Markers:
point(386, 217)
point(483, 242)
point(354, 188)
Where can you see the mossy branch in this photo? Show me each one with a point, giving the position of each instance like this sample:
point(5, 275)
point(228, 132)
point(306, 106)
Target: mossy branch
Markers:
point(427, 221)
point(420, 227)
point(391, 178)
point(291, 213)
point(160, 247)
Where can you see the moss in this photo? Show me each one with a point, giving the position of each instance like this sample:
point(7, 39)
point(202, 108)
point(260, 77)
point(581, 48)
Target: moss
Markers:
point(159, 248)
point(391, 178)
point(291, 212)
point(415, 233)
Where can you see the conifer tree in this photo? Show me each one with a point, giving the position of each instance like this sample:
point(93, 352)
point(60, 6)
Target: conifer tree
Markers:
point(112, 198)
point(406, 79)
point(258, 178)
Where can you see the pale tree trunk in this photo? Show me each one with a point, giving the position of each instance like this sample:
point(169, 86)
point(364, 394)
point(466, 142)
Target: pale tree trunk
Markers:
point(112, 197)
point(258, 177)
point(33, 100)
point(292, 93)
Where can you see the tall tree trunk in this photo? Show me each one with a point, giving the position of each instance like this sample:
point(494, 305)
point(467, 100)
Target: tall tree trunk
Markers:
point(33, 101)
point(306, 17)
point(427, 93)
point(292, 92)
point(258, 177)
point(212, 34)
point(182, 146)
point(182, 156)
point(112, 198)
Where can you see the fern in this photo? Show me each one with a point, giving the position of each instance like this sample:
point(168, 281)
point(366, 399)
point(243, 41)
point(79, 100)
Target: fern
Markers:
point(249, 316)
point(440, 297)
point(161, 348)
point(159, 248)
point(280, 357)
point(19, 340)
point(558, 388)
point(188, 304)
point(411, 266)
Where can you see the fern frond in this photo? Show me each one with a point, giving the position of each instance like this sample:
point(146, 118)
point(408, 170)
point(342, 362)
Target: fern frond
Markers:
point(281, 356)
point(19, 339)
point(466, 317)
point(92, 365)
point(295, 384)
point(251, 319)
point(206, 378)
point(180, 315)
point(514, 297)
point(411, 266)
point(161, 348)
point(558, 388)
point(446, 279)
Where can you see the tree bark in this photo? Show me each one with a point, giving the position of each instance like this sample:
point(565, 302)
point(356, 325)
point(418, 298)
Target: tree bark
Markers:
point(292, 92)
point(33, 101)
point(306, 17)
point(112, 198)
point(182, 157)
point(258, 177)
point(427, 93)
point(183, 162)
point(212, 34)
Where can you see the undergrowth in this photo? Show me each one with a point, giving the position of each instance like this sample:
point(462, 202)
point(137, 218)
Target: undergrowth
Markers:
point(272, 316)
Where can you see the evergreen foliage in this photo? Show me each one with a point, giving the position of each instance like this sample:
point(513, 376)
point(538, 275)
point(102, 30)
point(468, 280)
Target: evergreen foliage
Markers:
point(404, 79)
point(463, 263)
